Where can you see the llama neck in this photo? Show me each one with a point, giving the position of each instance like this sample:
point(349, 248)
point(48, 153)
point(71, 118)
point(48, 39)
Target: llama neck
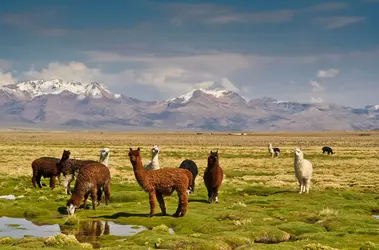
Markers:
point(139, 172)
point(155, 161)
point(298, 160)
point(105, 160)
point(270, 149)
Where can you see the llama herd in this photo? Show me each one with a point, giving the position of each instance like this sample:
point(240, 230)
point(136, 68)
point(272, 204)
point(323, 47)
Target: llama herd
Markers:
point(93, 178)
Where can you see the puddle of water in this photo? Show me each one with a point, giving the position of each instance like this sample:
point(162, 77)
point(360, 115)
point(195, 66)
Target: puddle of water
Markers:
point(20, 227)
point(376, 216)
point(10, 197)
point(87, 232)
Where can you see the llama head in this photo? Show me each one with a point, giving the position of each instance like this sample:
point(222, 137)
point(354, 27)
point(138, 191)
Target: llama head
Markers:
point(298, 152)
point(104, 153)
point(213, 157)
point(134, 155)
point(155, 149)
point(270, 145)
point(70, 207)
point(65, 155)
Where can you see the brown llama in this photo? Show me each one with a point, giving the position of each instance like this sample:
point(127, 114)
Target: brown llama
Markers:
point(45, 167)
point(92, 180)
point(162, 182)
point(70, 169)
point(213, 176)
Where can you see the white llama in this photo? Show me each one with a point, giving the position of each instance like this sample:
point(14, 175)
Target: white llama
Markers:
point(154, 163)
point(303, 171)
point(273, 151)
point(104, 156)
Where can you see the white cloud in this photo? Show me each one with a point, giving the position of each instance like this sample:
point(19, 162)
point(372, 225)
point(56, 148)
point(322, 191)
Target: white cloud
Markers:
point(329, 73)
point(222, 14)
point(73, 71)
point(316, 86)
point(6, 78)
point(336, 22)
point(316, 99)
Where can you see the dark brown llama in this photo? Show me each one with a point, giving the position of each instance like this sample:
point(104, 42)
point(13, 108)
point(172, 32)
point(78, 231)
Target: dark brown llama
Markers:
point(162, 182)
point(192, 167)
point(70, 169)
point(92, 180)
point(45, 167)
point(213, 176)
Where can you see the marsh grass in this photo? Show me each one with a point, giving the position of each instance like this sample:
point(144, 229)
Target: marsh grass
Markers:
point(258, 198)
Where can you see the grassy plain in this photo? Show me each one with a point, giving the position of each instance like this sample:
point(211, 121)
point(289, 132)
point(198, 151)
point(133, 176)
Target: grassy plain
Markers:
point(258, 198)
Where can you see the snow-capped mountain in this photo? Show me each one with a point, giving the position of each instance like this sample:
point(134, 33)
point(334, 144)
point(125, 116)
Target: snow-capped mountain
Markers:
point(59, 104)
point(216, 93)
point(372, 107)
point(29, 89)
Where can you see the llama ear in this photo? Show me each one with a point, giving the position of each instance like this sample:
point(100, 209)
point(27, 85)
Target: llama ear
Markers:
point(217, 151)
point(130, 149)
point(211, 151)
point(138, 149)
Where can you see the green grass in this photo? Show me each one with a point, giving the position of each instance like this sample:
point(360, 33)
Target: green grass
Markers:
point(259, 203)
point(243, 217)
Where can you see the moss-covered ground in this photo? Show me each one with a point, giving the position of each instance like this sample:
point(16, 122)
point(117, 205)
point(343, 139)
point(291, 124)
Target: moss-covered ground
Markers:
point(259, 205)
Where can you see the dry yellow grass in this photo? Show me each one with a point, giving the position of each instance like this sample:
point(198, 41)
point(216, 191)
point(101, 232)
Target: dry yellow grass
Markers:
point(245, 159)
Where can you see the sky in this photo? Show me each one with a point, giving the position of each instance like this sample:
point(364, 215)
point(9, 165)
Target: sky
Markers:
point(295, 50)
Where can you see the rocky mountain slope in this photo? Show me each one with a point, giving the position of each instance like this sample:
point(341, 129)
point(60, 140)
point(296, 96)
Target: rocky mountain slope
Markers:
point(58, 104)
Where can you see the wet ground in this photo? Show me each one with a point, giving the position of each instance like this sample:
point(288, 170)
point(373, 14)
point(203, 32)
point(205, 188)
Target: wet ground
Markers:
point(87, 231)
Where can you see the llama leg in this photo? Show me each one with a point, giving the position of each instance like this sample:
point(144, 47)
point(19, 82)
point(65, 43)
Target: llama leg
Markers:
point(52, 182)
point(308, 183)
point(34, 180)
point(99, 193)
point(209, 195)
point(59, 179)
point(300, 187)
point(161, 202)
point(70, 179)
point(183, 203)
point(85, 201)
point(39, 180)
point(277, 155)
point(152, 202)
point(215, 194)
point(107, 192)
point(94, 198)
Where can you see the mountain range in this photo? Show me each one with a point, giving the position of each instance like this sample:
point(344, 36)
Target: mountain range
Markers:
point(62, 105)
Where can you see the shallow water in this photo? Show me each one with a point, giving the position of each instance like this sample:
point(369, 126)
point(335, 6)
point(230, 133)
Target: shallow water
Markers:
point(376, 216)
point(20, 227)
point(88, 231)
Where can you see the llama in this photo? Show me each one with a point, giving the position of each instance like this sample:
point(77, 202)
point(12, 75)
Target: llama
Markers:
point(273, 151)
point(92, 179)
point(70, 168)
point(329, 150)
point(162, 182)
point(154, 163)
point(45, 167)
point(104, 156)
point(192, 167)
point(90, 231)
point(213, 176)
point(303, 171)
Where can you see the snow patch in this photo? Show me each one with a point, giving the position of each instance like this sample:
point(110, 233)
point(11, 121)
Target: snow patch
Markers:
point(218, 93)
point(31, 89)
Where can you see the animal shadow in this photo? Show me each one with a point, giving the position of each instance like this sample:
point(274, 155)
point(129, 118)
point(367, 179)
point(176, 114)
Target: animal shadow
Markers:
point(198, 200)
point(124, 214)
point(62, 210)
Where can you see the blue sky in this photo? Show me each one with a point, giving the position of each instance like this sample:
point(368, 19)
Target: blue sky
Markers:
point(309, 51)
